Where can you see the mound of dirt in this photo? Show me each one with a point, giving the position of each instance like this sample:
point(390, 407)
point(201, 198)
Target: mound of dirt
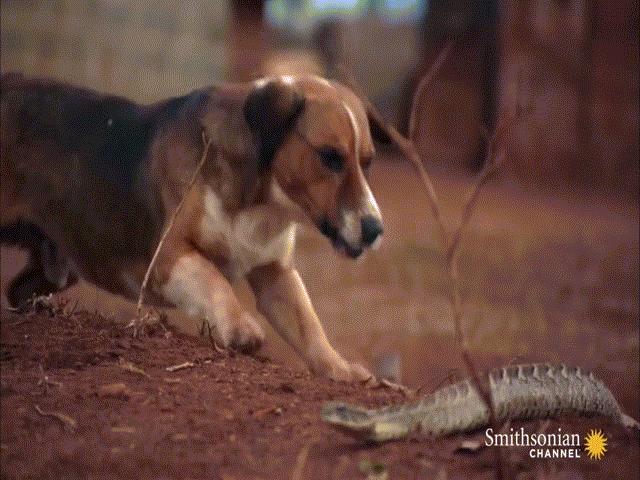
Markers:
point(82, 399)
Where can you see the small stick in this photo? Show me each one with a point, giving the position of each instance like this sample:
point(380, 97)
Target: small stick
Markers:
point(301, 462)
point(181, 366)
point(396, 387)
point(130, 367)
point(73, 309)
point(426, 81)
point(206, 328)
point(69, 423)
point(143, 288)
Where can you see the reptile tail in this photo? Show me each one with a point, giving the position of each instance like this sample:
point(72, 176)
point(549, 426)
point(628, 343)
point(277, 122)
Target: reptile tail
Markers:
point(629, 422)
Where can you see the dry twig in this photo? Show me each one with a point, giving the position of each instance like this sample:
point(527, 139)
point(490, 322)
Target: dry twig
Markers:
point(395, 387)
point(206, 329)
point(67, 422)
point(181, 366)
point(46, 381)
point(451, 243)
point(130, 367)
point(301, 461)
point(140, 318)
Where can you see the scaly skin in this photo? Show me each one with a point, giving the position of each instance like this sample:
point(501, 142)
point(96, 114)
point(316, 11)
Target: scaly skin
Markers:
point(519, 392)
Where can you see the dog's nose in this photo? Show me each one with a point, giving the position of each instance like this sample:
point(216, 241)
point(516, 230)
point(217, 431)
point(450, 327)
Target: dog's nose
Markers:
point(371, 229)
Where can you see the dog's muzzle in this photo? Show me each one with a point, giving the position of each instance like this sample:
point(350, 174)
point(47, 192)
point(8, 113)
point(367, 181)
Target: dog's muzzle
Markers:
point(371, 231)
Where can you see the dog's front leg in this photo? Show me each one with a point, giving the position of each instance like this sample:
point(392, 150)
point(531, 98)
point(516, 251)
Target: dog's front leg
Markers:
point(197, 287)
point(282, 298)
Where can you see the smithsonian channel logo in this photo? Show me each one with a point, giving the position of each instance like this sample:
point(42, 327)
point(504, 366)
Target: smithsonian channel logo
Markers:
point(551, 445)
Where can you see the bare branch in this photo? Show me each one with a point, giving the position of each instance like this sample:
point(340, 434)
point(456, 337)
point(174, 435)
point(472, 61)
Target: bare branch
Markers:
point(69, 423)
point(425, 82)
point(451, 243)
point(143, 288)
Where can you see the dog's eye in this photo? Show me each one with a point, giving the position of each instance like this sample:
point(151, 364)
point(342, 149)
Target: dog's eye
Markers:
point(366, 163)
point(331, 158)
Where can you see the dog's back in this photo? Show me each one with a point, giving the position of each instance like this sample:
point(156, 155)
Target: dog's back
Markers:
point(73, 166)
point(41, 116)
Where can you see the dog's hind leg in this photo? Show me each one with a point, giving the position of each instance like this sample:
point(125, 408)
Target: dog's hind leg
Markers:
point(47, 270)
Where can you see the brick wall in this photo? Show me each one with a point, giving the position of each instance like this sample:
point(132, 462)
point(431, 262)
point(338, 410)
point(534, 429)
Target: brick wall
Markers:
point(145, 50)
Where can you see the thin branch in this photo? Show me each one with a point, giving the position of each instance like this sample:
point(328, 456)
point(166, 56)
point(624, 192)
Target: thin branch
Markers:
point(69, 423)
point(143, 288)
point(425, 82)
point(301, 461)
point(493, 161)
point(450, 243)
point(406, 147)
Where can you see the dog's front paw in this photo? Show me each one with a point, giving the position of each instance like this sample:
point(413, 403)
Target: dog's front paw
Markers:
point(244, 335)
point(341, 370)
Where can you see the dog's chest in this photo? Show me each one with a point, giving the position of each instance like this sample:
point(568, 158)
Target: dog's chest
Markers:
point(254, 236)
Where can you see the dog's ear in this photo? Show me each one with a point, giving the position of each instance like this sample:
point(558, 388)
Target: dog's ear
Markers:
point(271, 109)
point(378, 133)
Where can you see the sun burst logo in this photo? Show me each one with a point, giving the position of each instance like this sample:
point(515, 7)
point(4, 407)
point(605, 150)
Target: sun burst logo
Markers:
point(595, 444)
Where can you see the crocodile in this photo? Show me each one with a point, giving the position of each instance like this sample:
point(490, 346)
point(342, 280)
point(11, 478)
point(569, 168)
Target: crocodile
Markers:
point(518, 392)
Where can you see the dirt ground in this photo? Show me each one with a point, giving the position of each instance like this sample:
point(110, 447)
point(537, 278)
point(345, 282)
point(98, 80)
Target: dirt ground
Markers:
point(546, 276)
point(229, 417)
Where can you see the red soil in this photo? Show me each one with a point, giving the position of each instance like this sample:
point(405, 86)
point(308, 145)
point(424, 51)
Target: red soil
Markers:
point(227, 417)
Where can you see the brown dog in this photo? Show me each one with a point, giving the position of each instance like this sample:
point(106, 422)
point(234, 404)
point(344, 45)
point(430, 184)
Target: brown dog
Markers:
point(89, 183)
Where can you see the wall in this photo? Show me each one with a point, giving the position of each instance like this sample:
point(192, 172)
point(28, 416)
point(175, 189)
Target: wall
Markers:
point(578, 64)
point(144, 50)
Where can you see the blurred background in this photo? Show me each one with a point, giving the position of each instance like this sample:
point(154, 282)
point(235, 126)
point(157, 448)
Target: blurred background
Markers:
point(550, 266)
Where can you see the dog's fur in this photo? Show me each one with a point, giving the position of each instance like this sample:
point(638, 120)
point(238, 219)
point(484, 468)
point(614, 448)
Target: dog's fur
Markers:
point(90, 181)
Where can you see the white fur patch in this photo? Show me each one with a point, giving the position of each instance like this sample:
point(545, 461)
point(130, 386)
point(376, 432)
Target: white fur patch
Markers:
point(188, 289)
point(288, 79)
point(369, 204)
point(356, 131)
point(351, 229)
point(254, 236)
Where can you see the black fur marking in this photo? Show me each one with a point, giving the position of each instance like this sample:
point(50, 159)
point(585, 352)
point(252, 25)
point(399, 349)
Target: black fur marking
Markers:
point(332, 158)
point(112, 132)
point(271, 111)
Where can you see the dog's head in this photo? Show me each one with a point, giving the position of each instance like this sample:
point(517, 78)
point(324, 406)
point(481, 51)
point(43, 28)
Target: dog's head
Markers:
point(315, 137)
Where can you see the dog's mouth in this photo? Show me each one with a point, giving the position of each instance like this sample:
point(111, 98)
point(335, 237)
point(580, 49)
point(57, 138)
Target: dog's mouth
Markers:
point(338, 242)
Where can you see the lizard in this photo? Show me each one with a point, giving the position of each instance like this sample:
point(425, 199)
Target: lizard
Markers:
point(518, 392)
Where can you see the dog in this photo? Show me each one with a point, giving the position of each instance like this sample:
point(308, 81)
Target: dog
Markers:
point(89, 183)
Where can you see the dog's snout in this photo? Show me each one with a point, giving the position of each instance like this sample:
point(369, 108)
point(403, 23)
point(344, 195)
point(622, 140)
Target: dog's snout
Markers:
point(371, 229)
